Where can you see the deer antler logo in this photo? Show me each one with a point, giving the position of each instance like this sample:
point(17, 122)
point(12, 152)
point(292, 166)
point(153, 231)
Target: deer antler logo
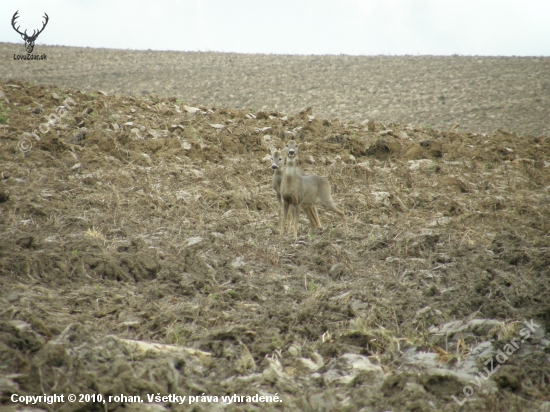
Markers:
point(29, 40)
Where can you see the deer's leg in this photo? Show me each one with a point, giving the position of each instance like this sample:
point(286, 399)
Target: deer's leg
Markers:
point(285, 214)
point(311, 217)
point(290, 218)
point(330, 205)
point(317, 221)
point(296, 220)
point(280, 208)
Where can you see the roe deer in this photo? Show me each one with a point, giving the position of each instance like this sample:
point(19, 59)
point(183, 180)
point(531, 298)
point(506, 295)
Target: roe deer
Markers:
point(301, 190)
point(278, 165)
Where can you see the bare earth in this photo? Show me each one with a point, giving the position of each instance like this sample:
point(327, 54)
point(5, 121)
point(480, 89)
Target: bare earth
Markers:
point(139, 250)
point(482, 94)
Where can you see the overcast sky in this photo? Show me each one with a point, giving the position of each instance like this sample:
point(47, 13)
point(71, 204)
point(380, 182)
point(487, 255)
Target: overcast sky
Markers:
point(367, 27)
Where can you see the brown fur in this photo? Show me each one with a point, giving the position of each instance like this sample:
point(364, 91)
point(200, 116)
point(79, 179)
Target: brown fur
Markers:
point(278, 166)
point(306, 191)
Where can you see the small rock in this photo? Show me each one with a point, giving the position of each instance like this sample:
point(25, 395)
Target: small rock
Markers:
point(453, 327)
point(128, 318)
point(318, 359)
point(183, 195)
point(155, 134)
point(482, 327)
point(261, 115)
point(194, 240)
point(337, 271)
point(20, 325)
point(274, 371)
point(7, 385)
point(246, 361)
point(238, 262)
point(192, 110)
point(308, 364)
point(436, 380)
point(380, 197)
point(262, 129)
point(174, 127)
point(239, 380)
point(12, 297)
point(347, 367)
point(111, 159)
point(441, 221)
point(79, 136)
point(147, 159)
point(467, 366)
point(309, 159)
point(294, 350)
point(198, 174)
point(414, 389)
point(420, 360)
point(358, 308)
point(419, 164)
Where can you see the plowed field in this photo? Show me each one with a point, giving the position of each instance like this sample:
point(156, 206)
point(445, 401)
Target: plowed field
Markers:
point(140, 252)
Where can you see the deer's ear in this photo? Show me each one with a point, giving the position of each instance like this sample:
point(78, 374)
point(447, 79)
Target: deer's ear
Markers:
point(272, 148)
